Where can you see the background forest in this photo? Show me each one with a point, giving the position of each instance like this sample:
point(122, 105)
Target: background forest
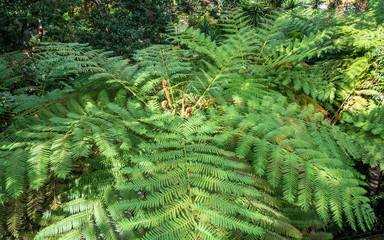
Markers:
point(191, 119)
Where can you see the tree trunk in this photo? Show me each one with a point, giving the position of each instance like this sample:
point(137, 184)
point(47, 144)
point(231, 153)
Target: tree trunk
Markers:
point(375, 176)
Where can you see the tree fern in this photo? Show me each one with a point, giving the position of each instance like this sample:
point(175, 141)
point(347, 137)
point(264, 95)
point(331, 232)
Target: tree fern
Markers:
point(368, 129)
point(192, 141)
point(190, 189)
point(203, 169)
point(85, 212)
point(309, 170)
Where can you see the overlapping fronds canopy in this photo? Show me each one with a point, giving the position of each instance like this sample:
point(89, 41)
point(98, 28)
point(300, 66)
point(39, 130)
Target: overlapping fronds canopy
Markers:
point(191, 142)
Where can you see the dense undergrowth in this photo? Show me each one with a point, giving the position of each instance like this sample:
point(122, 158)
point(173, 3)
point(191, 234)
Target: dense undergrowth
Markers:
point(235, 130)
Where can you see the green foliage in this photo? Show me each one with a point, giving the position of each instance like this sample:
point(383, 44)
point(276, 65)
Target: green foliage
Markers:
point(291, 4)
point(256, 11)
point(379, 74)
point(194, 188)
point(207, 173)
point(23, 22)
point(376, 8)
point(299, 154)
point(224, 156)
point(121, 26)
point(367, 129)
